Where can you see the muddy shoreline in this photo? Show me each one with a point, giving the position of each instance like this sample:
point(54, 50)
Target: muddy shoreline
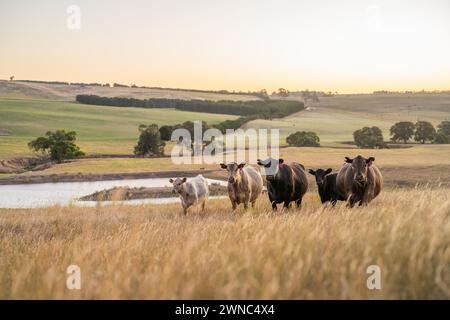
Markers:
point(126, 193)
point(66, 177)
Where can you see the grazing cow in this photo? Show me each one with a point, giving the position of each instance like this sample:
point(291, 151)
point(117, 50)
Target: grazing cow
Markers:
point(245, 184)
point(192, 192)
point(286, 183)
point(326, 185)
point(359, 180)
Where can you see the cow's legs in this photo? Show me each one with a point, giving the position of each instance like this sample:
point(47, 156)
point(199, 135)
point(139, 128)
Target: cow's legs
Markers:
point(233, 205)
point(299, 203)
point(253, 203)
point(203, 205)
point(274, 206)
point(286, 204)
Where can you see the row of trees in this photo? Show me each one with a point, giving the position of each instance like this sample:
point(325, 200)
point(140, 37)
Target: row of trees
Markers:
point(266, 109)
point(404, 131)
point(60, 145)
point(421, 131)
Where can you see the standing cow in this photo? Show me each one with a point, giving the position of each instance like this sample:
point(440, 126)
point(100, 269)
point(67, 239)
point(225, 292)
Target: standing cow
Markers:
point(192, 192)
point(245, 184)
point(286, 183)
point(359, 180)
point(326, 185)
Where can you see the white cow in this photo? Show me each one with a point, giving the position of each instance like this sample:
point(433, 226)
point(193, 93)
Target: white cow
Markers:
point(192, 192)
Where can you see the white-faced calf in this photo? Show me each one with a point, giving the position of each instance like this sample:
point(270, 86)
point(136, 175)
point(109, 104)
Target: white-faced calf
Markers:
point(192, 192)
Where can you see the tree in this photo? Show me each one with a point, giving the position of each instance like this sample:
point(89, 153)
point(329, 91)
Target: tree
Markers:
point(303, 139)
point(424, 132)
point(11, 78)
point(402, 131)
point(441, 138)
point(369, 138)
point(444, 128)
point(166, 132)
point(60, 145)
point(149, 143)
point(282, 92)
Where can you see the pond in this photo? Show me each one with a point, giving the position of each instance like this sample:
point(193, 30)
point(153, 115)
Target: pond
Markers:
point(65, 193)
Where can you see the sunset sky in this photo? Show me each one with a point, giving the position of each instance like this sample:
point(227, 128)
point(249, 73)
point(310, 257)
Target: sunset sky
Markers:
point(345, 46)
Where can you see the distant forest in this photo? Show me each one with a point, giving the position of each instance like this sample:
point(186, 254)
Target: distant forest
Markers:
point(265, 109)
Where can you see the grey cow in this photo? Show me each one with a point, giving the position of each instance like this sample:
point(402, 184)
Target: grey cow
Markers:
point(192, 192)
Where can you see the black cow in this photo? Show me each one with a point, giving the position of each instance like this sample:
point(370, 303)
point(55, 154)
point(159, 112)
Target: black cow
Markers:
point(326, 185)
point(285, 183)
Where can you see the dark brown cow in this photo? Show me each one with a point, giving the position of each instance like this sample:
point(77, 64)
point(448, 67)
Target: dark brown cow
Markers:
point(359, 180)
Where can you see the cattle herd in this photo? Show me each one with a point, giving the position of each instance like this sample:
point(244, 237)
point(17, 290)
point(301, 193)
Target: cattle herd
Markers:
point(358, 182)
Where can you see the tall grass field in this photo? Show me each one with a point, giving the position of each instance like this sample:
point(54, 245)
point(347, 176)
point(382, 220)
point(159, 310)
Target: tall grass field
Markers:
point(152, 252)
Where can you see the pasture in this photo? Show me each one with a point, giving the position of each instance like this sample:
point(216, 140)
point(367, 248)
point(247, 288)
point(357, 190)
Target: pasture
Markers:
point(151, 252)
point(420, 164)
point(335, 119)
point(100, 129)
point(63, 92)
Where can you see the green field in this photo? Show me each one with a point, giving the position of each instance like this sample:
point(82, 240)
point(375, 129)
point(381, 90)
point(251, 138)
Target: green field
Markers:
point(100, 129)
point(335, 119)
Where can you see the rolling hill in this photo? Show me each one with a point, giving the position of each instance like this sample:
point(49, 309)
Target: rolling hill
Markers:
point(334, 119)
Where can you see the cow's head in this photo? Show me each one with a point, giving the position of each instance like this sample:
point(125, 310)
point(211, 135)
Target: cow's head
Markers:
point(234, 171)
point(177, 184)
point(360, 167)
point(320, 175)
point(271, 167)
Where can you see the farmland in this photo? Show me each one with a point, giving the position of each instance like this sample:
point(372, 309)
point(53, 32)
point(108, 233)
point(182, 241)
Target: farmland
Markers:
point(100, 129)
point(151, 252)
point(334, 119)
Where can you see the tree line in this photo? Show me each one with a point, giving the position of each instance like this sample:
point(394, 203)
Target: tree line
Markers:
point(266, 109)
point(404, 131)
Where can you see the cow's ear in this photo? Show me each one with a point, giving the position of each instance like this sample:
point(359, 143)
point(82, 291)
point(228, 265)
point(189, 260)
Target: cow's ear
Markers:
point(370, 160)
point(184, 180)
point(171, 180)
point(328, 171)
point(311, 171)
point(241, 165)
point(280, 161)
point(348, 160)
point(223, 165)
point(259, 162)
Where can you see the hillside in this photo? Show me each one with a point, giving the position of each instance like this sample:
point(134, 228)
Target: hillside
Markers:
point(334, 119)
point(62, 92)
point(100, 129)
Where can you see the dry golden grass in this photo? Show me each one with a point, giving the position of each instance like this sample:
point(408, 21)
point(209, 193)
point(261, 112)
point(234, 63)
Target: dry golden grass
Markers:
point(153, 252)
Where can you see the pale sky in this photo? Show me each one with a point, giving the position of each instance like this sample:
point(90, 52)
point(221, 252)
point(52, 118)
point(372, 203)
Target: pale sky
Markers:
point(345, 46)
